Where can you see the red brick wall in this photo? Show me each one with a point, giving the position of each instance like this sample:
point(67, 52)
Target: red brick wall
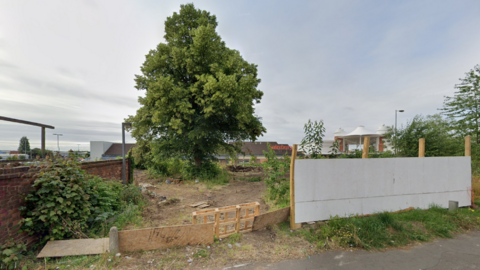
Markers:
point(111, 169)
point(14, 186)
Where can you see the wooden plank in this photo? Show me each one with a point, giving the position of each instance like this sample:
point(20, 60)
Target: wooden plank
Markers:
point(293, 225)
point(165, 237)
point(197, 204)
point(74, 247)
point(271, 218)
point(203, 206)
point(217, 222)
point(237, 217)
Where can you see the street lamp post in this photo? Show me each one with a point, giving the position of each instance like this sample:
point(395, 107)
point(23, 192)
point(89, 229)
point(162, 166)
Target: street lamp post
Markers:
point(124, 125)
point(58, 142)
point(395, 132)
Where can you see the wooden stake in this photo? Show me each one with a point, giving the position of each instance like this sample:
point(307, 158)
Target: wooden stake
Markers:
point(366, 146)
point(293, 225)
point(237, 225)
point(421, 147)
point(468, 153)
point(468, 146)
point(217, 223)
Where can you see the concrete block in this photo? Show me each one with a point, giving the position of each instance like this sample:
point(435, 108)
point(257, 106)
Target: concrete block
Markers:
point(452, 206)
point(113, 240)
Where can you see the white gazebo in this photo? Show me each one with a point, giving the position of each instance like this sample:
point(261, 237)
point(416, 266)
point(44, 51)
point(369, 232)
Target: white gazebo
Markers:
point(356, 137)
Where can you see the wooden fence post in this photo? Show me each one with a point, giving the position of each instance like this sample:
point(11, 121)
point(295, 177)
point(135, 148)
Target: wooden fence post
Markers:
point(421, 147)
point(468, 146)
point(366, 147)
point(293, 225)
point(217, 223)
point(468, 153)
point(237, 216)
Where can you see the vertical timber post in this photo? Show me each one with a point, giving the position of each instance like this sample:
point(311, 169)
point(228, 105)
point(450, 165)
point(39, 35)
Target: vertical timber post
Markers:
point(293, 225)
point(421, 147)
point(468, 146)
point(237, 217)
point(217, 223)
point(366, 146)
point(43, 142)
point(468, 153)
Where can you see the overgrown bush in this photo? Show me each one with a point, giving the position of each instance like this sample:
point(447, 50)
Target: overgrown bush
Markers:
point(11, 253)
point(67, 203)
point(59, 207)
point(278, 186)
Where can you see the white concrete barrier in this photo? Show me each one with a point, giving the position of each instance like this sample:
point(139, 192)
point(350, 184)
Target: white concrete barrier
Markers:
point(329, 187)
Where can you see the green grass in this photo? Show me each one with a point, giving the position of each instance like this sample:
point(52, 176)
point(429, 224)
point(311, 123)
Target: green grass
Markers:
point(234, 238)
point(389, 229)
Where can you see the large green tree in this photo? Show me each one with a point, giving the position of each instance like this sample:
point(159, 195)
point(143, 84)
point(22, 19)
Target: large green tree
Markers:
point(464, 107)
point(439, 140)
point(24, 145)
point(200, 95)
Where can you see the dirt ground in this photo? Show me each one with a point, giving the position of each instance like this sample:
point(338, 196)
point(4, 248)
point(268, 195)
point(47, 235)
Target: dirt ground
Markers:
point(176, 209)
point(265, 246)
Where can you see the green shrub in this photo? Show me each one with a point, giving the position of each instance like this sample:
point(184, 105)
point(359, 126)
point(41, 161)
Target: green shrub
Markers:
point(67, 203)
point(278, 186)
point(11, 253)
point(59, 207)
point(207, 170)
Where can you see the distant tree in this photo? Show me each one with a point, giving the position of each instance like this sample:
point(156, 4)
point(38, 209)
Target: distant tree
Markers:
point(439, 140)
point(24, 145)
point(313, 141)
point(464, 107)
point(200, 94)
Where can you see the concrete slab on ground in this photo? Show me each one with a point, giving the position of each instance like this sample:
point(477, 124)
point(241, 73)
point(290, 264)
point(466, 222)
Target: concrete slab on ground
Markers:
point(63, 248)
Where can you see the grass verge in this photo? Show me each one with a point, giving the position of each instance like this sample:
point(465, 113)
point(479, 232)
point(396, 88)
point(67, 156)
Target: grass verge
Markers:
point(386, 230)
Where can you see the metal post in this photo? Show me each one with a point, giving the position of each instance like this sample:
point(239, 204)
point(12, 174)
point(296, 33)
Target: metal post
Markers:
point(43, 142)
point(395, 132)
point(123, 153)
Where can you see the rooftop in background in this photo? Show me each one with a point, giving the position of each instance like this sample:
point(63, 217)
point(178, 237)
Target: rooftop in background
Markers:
point(116, 149)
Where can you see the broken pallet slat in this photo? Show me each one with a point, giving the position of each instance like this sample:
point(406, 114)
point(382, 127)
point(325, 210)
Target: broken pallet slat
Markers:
point(197, 204)
point(203, 206)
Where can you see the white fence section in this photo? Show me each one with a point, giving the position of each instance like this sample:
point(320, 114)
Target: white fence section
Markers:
point(328, 187)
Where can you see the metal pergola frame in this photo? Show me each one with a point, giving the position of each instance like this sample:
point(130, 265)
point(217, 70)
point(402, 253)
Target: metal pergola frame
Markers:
point(43, 126)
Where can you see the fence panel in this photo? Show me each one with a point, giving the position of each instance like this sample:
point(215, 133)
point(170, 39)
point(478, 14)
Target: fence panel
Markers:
point(343, 187)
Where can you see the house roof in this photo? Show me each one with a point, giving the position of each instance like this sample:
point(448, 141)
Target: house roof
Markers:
point(116, 149)
point(257, 148)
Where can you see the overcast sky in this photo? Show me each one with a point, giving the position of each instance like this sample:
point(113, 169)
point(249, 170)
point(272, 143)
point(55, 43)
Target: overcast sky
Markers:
point(71, 64)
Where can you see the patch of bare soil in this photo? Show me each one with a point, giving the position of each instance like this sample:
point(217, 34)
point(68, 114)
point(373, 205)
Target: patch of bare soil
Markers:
point(169, 204)
point(264, 246)
point(235, 168)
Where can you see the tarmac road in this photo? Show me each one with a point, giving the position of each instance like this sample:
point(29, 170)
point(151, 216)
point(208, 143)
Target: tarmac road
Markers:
point(461, 252)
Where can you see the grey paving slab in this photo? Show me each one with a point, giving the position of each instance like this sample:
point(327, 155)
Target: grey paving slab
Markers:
point(62, 248)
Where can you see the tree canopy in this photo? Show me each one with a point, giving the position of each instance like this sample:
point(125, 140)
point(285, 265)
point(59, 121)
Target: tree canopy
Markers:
point(24, 145)
point(439, 140)
point(464, 107)
point(200, 94)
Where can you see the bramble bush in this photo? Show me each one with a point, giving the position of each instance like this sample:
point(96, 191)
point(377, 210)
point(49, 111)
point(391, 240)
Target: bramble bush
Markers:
point(68, 203)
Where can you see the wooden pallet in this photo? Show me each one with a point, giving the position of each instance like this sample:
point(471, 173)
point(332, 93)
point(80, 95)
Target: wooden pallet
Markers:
point(224, 223)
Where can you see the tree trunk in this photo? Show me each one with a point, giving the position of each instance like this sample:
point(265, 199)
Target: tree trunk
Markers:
point(198, 162)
